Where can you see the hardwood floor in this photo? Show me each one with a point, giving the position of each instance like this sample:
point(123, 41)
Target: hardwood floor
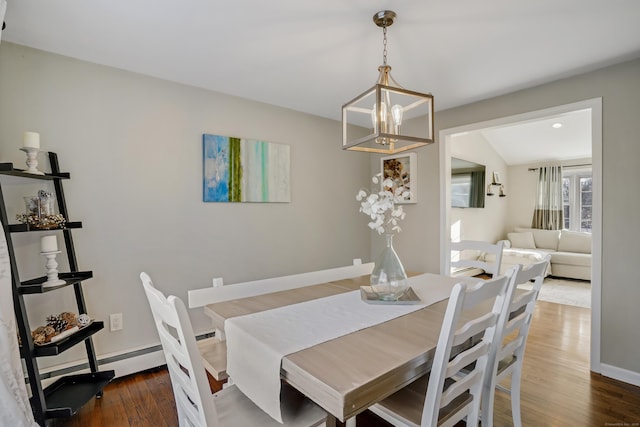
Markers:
point(557, 387)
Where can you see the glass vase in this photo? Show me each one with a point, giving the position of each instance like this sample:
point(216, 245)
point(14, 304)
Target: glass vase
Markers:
point(388, 279)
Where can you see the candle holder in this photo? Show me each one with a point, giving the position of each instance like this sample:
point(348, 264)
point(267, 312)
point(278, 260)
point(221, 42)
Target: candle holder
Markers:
point(32, 160)
point(52, 270)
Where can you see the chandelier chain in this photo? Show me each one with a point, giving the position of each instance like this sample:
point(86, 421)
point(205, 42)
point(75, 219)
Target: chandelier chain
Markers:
point(384, 44)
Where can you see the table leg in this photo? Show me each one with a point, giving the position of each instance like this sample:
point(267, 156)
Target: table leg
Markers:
point(333, 422)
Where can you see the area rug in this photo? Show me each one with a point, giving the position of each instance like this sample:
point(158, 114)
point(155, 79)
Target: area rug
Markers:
point(568, 292)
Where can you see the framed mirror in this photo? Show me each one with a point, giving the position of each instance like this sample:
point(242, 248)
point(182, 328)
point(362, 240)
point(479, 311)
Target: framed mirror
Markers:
point(467, 184)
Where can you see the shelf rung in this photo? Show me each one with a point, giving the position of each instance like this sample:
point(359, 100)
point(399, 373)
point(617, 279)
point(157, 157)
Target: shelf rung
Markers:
point(34, 286)
point(68, 394)
point(22, 228)
point(8, 169)
point(58, 347)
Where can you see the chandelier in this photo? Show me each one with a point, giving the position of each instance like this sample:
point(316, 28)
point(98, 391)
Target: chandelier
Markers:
point(387, 118)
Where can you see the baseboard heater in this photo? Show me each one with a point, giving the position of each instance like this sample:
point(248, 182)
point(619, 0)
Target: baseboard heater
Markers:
point(126, 363)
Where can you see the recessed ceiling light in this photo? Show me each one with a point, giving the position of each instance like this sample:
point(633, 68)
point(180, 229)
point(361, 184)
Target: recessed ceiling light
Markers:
point(556, 125)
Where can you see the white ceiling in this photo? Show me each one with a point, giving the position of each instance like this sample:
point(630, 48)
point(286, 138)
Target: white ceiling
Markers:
point(539, 141)
point(315, 56)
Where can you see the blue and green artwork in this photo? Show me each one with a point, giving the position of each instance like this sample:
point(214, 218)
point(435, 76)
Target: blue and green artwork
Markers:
point(245, 170)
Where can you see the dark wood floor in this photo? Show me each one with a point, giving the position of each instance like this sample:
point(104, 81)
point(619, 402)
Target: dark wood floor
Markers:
point(557, 387)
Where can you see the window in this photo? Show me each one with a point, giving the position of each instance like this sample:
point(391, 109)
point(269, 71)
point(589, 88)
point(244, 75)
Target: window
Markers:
point(460, 190)
point(577, 196)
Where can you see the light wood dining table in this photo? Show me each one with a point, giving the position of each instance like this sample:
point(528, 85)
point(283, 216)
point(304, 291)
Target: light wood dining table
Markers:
point(348, 374)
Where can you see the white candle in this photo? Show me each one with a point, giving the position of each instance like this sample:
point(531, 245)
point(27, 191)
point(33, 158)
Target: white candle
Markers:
point(31, 140)
point(48, 243)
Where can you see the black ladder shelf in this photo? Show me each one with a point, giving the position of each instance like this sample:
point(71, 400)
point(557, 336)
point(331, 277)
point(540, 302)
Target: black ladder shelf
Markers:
point(66, 395)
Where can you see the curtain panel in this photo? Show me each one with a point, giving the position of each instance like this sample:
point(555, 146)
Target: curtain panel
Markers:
point(548, 212)
point(15, 410)
point(476, 193)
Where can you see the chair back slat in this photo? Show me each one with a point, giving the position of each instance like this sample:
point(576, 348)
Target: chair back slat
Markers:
point(516, 323)
point(474, 327)
point(458, 388)
point(479, 249)
point(522, 300)
point(509, 348)
point(466, 358)
point(480, 292)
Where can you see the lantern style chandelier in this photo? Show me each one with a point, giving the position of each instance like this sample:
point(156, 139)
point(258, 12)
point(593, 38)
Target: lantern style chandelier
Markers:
point(387, 118)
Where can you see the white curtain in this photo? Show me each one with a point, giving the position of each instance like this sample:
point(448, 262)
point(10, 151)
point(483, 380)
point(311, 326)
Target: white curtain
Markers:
point(14, 402)
point(15, 409)
point(548, 212)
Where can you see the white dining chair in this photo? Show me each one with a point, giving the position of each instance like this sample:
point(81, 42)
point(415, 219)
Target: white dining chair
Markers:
point(511, 337)
point(471, 254)
point(195, 403)
point(442, 399)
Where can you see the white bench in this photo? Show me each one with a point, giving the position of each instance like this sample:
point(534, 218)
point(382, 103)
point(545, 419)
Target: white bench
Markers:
point(214, 350)
point(220, 293)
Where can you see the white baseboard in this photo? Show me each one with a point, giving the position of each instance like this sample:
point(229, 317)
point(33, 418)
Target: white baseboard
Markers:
point(135, 364)
point(123, 363)
point(620, 374)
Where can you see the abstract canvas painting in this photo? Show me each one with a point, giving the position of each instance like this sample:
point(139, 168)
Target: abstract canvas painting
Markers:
point(245, 170)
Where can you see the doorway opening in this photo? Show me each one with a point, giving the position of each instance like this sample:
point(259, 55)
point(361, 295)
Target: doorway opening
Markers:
point(594, 106)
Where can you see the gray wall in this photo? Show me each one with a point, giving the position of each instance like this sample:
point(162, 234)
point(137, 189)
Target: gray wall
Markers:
point(133, 146)
point(619, 87)
point(481, 223)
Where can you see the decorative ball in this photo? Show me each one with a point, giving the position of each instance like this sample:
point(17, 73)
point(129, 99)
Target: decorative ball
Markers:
point(70, 318)
point(38, 335)
point(49, 332)
point(83, 320)
point(39, 339)
point(38, 330)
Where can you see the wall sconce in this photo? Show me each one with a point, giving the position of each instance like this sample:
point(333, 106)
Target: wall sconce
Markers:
point(490, 190)
point(501, 192)
point(497, 182)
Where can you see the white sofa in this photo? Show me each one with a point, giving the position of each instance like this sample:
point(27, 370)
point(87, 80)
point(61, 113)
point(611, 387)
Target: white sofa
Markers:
point(570, 251)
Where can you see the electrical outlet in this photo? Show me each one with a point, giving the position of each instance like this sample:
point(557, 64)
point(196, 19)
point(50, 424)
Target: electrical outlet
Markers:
point(115, 322)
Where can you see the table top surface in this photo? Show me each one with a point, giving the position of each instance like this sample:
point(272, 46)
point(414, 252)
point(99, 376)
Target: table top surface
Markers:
point(348, 374)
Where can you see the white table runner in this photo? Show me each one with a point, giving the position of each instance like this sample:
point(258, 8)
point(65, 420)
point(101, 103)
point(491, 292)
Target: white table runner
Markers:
point(256, 343)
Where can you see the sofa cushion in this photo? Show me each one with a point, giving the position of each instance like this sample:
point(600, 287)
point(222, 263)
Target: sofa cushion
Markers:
point(573, 241)
point(523, 240)
point(544, 239)
point(571, 258)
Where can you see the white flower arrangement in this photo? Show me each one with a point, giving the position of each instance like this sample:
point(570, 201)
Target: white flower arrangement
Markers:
point(382, 206)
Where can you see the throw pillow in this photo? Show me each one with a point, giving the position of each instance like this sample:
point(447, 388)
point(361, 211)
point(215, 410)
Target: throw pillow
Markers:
point(573, 241)
point(544, 239)
point(522, 240)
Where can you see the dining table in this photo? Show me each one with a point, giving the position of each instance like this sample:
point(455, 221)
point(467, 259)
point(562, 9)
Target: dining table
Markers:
point(348, 370)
